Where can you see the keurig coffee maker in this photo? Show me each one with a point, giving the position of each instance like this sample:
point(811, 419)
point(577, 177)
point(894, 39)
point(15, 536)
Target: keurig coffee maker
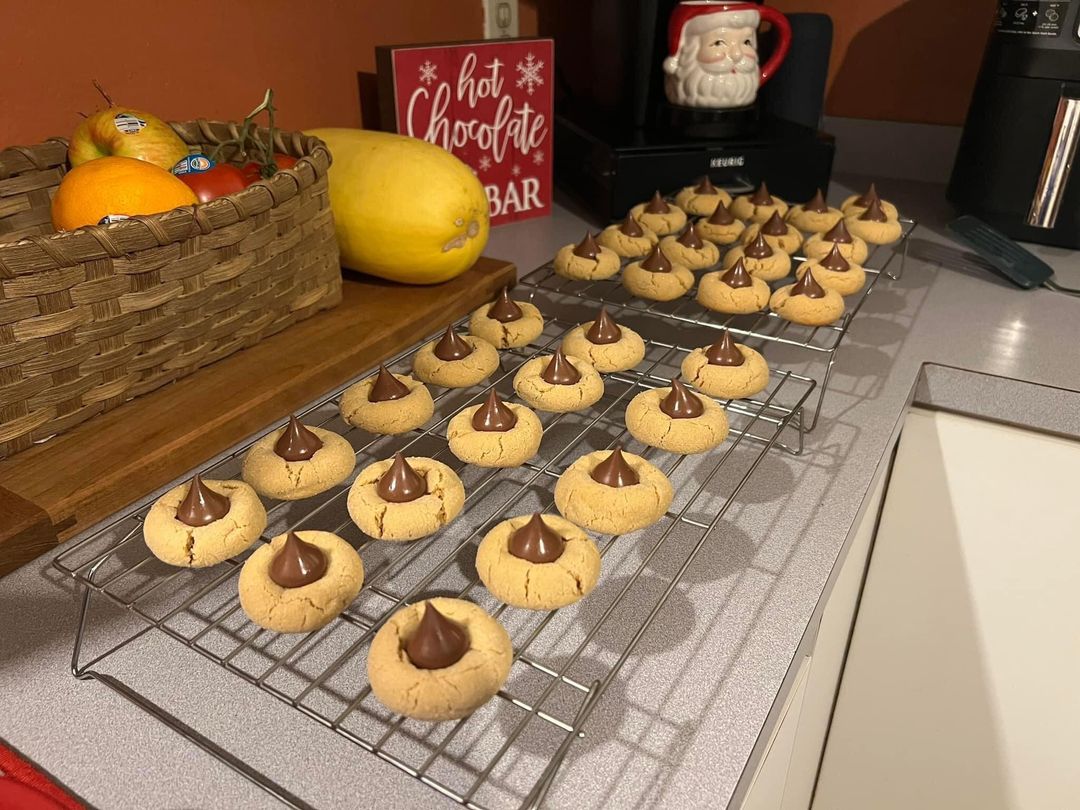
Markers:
point(656, 93)
point(1014, 168)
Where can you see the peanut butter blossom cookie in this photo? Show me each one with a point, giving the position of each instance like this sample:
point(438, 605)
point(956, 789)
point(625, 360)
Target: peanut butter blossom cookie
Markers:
point(495, 433)
point(835, 272)
point(387, 403)
point(851, 247)
point(628, 239)
point(807, 302)
point(690, 249)
point(733, 291)
point(202, 523)
point(702, 199)
point(506, 323)
point(721, 228)
point(659, 216)
point(405, 498)
point(455, 361)
point(759, 206)
point(439, 659)
point(726, 369)
point(873, 225)
point(778, 234)
point(300, 581)
point(539, 562)
point(657, 278)
point(296, 462)
point(858, 203)
point(676, 419)
point(613, 492)
point(586, 261)
point(559, 383)
point(605, 344)
point(814, 215)
point(761, 260)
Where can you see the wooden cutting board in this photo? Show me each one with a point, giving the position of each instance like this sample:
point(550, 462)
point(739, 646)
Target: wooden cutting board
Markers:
point(62, 487)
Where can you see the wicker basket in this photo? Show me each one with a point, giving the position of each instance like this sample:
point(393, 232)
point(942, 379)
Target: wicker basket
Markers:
point(92, 318)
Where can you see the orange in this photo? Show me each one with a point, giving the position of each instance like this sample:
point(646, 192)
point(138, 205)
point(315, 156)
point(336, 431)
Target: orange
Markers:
point(115, 185)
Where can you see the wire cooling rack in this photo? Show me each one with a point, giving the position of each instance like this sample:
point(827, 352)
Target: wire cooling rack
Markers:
point(761, 329)
point(508, 753)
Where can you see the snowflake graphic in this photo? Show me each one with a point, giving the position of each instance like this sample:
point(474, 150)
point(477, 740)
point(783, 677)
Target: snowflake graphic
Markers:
point(538, 157)
point(530, 77)
point(484, 163)
point(515, 170)
point(428, 73)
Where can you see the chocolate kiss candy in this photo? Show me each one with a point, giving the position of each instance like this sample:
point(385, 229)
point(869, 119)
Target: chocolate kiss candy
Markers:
point(724, 352)
point(721, 216)
point(604, 330)
point(297, 443)
point(613, 471)
point(817, 204)
point(656, 261)
point(681, 402)
point(835, 261)
point(689, 238)
point(504, 310)
point(867, 198)
point(761, 196)
point(202, 505)
point(386, 387)
point(838, 233)
point(737, 276)
point(297, 563)
point(657, 205)
point(438, 642)
point(587, 247)
point(775, 225)
point(630, 227)
point(401, 483)
point(536, 542)
point(808, 286)
point(705, 186)
point(759, 248)
point(559, 370)
point(874, 212)
point(493, 416)
point(452, 346)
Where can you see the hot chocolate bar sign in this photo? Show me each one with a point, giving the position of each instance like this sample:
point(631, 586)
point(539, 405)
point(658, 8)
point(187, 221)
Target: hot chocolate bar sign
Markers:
point(490, 103)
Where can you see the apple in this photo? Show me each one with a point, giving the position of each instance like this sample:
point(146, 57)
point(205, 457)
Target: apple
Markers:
point(126, 132)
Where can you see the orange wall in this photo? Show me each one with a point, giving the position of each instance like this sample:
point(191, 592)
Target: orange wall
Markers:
point(309, 52)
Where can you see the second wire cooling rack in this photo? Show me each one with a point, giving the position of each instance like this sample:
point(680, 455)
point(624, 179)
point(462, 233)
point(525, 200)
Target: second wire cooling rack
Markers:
point(508, 753)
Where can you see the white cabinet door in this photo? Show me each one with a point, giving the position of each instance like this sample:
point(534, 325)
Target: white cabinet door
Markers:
point(961, 684)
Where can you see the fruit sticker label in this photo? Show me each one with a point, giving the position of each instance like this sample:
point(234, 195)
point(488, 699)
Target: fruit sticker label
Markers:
point(129, 124)
point(489, 103)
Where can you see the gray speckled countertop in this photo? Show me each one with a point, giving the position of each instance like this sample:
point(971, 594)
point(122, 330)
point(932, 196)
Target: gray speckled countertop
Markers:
point(680, 724)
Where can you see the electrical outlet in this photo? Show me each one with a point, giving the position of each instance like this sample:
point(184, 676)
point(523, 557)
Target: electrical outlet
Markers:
point(500, 19)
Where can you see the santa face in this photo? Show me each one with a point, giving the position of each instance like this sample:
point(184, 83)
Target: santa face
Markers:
point(717, 65)
point(728, 50)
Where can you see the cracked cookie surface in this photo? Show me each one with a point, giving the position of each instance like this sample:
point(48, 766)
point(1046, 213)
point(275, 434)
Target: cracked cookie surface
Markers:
point(274, 477)
point(807, 311)
point(874, 233)
point(721, 234)
point(813, 221)
point(612, 510)
point(391, 416)
point(691, 258)
point(309, 607)
point(700, 205)
point(662, 224)
point(657, 286)
point(545, 396)
point(628, 247)
point(469, 370)
point(770, 268)
point(789, 242)
point(569, 265)
point(411, 520)
point(538, 586)
point(845, 282)
point(623, 354)
point(727, 382)
point(744, 208)
point(493, 448)
point(509, 335)
point(439, 694)
point(714, 294)
point(174, 542)
point(854, 251)
point(650, 425)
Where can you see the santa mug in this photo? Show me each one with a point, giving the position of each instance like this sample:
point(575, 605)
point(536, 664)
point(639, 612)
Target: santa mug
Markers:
point(713, 58)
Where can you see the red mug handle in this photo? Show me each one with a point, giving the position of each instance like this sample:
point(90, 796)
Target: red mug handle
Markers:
point(783, 44)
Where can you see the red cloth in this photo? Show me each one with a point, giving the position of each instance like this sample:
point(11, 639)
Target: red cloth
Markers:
point(24, 787)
